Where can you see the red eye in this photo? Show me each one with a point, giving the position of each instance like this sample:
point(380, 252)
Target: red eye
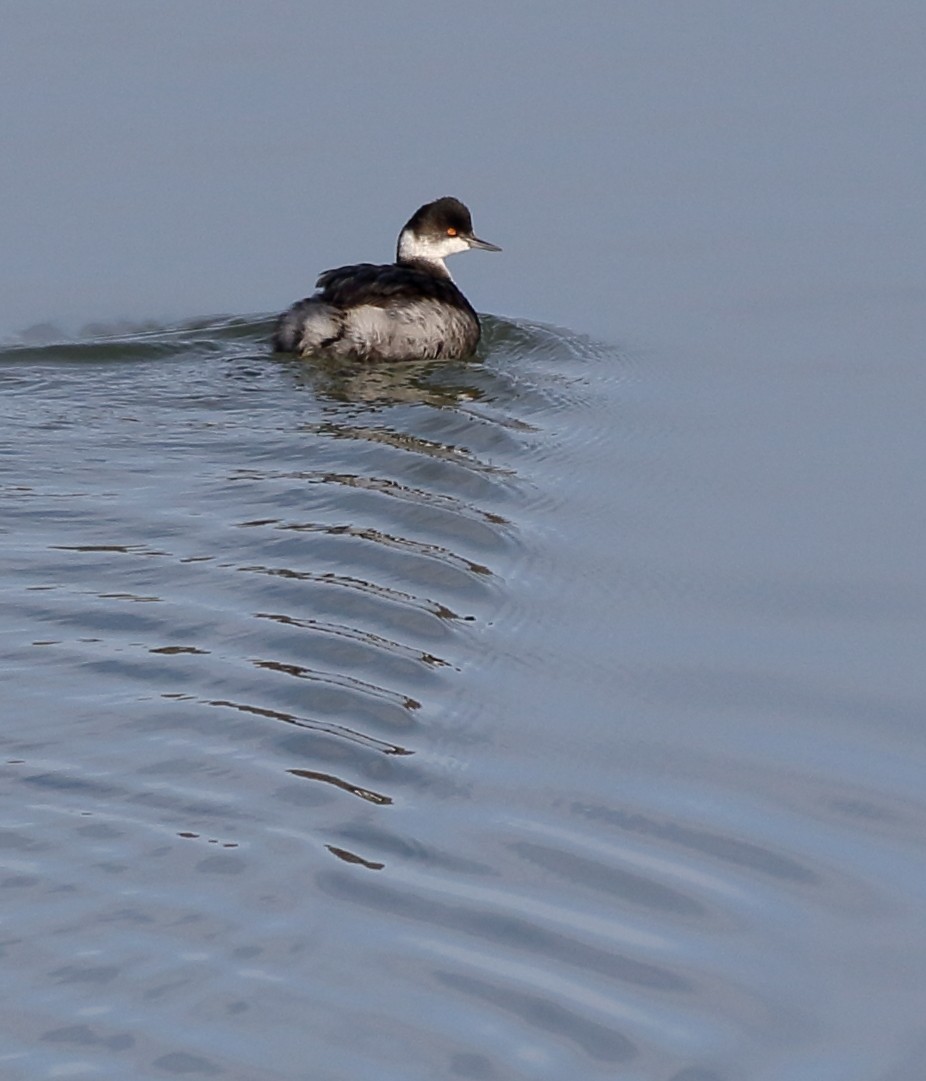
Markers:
point(451, 231)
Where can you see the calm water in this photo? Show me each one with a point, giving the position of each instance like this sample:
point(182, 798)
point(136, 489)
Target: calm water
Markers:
point(555, 715)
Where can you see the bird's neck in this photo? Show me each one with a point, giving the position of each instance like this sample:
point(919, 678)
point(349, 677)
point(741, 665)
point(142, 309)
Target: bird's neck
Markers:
point(418, 252)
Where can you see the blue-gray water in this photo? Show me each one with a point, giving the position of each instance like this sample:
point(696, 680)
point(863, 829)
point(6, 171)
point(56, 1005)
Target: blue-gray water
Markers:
point(554, 715)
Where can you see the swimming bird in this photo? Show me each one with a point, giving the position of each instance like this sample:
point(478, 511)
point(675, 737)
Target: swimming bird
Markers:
point(407, 310)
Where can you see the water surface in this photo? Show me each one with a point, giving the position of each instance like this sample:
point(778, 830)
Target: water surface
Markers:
point(503, 719)
point(555, 715)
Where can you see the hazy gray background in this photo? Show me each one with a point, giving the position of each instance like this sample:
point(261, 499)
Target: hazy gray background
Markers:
point(714, 172)
point(641, 600)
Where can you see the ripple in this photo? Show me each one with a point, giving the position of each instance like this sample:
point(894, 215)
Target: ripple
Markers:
point(363, 637)
point(345, 786)
point(374, 589)
point(411, 444)
point(326, 727)
point(270, 626)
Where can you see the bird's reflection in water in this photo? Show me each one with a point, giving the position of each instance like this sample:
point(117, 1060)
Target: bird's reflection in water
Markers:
point(424, 382)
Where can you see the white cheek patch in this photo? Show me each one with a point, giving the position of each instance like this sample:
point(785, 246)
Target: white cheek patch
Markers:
point(454, 244)
point(431, 249)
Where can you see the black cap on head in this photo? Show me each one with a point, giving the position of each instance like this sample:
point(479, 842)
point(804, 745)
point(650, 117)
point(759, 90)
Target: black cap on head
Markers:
point(443, 214)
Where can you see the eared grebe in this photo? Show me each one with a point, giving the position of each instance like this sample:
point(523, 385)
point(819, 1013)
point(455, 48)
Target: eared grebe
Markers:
point(406, 310)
